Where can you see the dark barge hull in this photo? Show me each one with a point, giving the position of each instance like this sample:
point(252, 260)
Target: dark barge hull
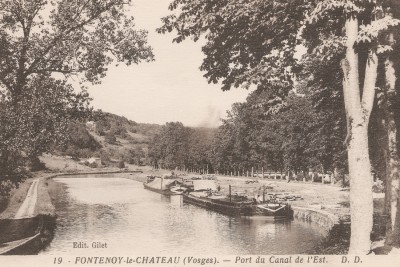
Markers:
point(160, 191)
point(239, 209)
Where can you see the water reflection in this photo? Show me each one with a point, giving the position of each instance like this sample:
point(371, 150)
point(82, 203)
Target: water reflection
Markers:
point(129, 219)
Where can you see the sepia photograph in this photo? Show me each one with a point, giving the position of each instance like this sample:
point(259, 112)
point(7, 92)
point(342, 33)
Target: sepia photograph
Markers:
point(199, 133)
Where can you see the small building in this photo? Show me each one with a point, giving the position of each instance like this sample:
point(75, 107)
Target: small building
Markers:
point(91, 161)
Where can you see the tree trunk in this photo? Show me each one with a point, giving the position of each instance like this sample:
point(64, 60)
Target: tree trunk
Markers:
point(358, 110)
point(361, 206)
point(392, 181)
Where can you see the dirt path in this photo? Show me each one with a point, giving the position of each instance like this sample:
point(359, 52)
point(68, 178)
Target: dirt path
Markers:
point(27, 208)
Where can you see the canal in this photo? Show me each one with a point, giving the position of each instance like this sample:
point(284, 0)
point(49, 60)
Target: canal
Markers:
point(120, 214)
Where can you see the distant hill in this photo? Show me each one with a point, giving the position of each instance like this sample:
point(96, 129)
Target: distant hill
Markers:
point(110, 137)
point(112, 140)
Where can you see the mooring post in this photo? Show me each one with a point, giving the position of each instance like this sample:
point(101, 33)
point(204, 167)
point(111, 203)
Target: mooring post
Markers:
point(263, 194)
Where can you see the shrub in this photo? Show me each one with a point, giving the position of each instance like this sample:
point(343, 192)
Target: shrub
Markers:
point(110, 138)
point(105, 159)
point(93, 165)
point(121, 164)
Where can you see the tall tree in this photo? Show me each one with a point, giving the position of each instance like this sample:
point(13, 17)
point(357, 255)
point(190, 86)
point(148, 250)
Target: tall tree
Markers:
point(364, 23)
point(169, 148)
point(390, 102)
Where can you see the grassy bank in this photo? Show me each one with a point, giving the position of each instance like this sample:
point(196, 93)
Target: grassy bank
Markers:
point(17, 196)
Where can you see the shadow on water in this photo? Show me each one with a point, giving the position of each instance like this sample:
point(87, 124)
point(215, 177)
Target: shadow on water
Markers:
point(336, 242)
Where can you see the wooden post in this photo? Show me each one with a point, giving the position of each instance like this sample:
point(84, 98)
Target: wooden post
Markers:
point(264, 195)
point(262, 170)
point(230, 193)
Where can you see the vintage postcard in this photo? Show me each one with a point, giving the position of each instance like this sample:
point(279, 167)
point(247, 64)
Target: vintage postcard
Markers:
point(199, 133)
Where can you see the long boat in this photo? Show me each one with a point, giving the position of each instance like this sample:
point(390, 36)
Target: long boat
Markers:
point(238, 206)
point(165, 186)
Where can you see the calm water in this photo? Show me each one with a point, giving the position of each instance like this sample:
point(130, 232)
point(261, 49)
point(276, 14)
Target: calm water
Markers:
point(132, 220)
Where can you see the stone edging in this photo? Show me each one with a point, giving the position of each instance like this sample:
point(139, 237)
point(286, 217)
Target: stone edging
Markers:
point(322, 218)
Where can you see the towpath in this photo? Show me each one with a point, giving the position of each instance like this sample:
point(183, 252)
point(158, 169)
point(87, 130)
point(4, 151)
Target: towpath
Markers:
point(27, 208)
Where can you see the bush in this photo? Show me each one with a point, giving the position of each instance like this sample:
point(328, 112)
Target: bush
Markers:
point(105, 159)
point(35, 164)
point(92, 165)
point(110, 138)
point(121, 164)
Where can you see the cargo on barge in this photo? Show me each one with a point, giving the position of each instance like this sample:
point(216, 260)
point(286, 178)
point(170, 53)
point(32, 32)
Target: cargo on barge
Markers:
point(165, 186)
point(238, 206)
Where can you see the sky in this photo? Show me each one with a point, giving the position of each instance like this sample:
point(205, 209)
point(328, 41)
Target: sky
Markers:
point(171, 88)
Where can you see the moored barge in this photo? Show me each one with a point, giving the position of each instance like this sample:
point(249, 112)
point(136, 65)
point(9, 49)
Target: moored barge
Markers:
point(165, 186)
point(238, 206)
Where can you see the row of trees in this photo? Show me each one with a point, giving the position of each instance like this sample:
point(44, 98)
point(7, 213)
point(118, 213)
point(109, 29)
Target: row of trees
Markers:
point(255, 43)
point(297, 138)
point(42, 45)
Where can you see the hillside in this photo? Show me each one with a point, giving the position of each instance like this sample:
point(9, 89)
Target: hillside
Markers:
point(111, 138)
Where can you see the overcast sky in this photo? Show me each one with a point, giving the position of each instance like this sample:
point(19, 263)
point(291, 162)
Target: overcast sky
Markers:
point(171, 88)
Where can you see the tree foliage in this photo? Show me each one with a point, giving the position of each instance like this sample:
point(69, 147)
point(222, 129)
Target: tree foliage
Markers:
point(180, 146)
point(297, 138)
point(247, 43)
point(36, 123)
point(41, 37)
